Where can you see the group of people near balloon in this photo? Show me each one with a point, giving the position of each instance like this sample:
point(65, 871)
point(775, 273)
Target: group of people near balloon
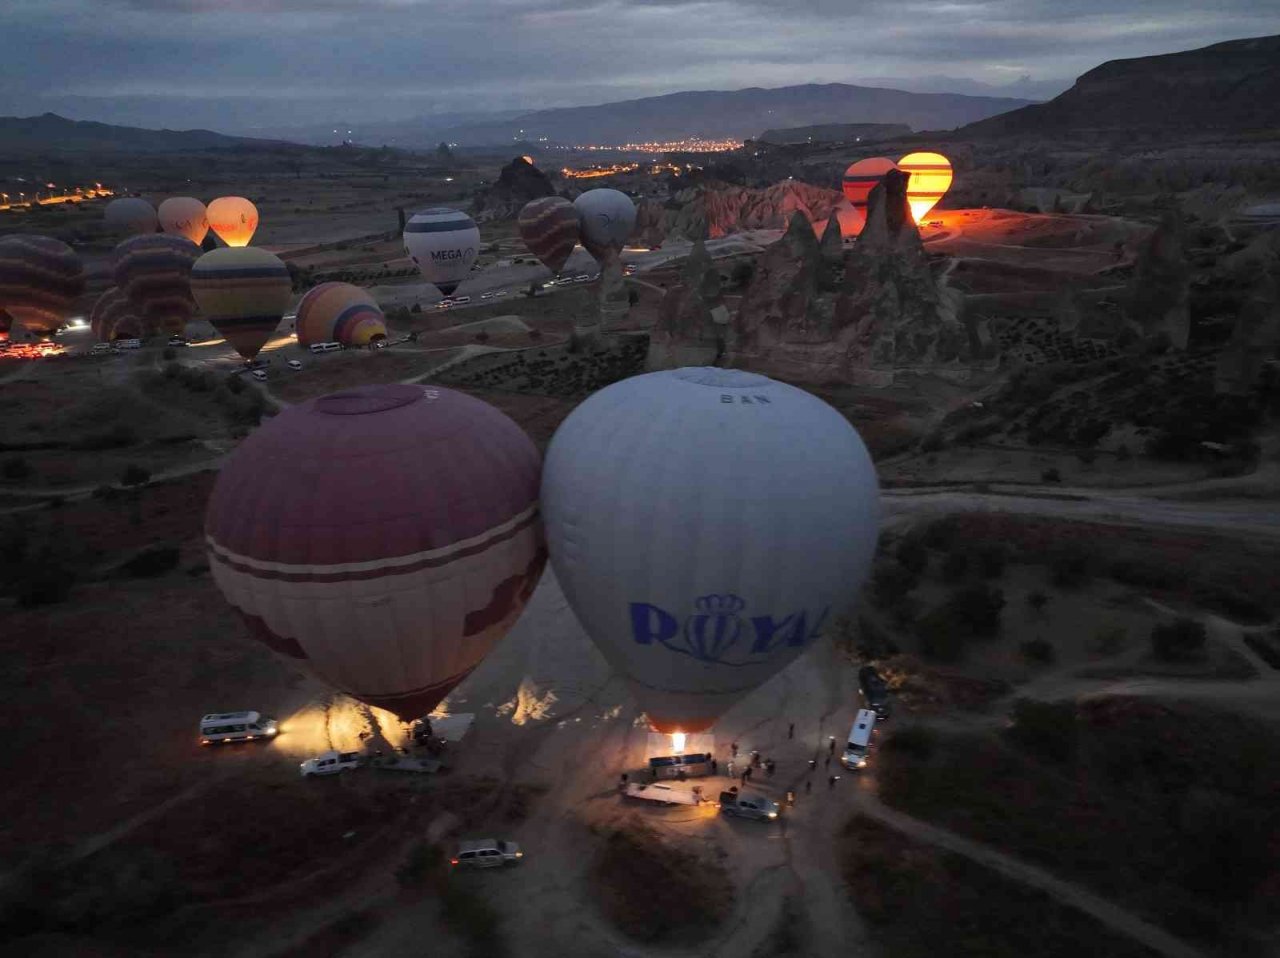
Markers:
point(706, 526)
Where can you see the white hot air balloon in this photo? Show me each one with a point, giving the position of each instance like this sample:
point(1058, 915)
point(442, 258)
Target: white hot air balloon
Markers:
point(130, 216)
point(443, 244)
point(707, 525)
point(607, 218)
point(184, 216)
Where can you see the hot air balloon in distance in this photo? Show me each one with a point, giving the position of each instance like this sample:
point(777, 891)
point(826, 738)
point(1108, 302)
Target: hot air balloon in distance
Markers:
point(40, 280)
point(606, 218)
point(860, 179)
point(707, 525)
point(234, 219)
point(549, 228)
point(130, 216)
point(443, 244)
point(112, 316)
point(6, 324)
point(339, 313)
point(184, 216)
point(154, 272)
point(384, 538)
point(930, 179)
point(243, 293)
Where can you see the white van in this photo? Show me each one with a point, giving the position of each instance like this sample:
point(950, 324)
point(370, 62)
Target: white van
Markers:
point(128, 344)
point(461, 300)
point(858, 747)
point(260, 375)
point(325, 347)
point(97, 349)
point(219, 727)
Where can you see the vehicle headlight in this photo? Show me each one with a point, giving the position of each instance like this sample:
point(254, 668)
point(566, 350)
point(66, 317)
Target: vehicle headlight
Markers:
point(773, 814)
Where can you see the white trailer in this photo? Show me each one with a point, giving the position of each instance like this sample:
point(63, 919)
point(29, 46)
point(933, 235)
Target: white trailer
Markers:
point(664, 794)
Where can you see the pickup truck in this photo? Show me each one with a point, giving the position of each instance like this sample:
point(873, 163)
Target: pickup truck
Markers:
point(663, 794)
point(749, 806)
point(330, 763)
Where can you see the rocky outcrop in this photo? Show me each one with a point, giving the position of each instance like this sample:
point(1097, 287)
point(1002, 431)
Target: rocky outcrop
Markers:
point(718, 209)
point(888, 316)
point(1159, 296)
point(692, 318)
point(1256, 335)
point(518, 183)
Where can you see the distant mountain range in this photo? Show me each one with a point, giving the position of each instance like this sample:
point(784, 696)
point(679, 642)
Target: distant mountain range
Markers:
point(50, 132)
point(734, 114)
point(1232, 86)
point(835, 133)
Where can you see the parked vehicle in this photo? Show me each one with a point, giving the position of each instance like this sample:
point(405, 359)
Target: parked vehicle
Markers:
point(330, 763)
point(755, 807)
point(582, 278)
point(128, 344)
point(875, 691)
point(97, 349)
point(444, 304)
point(664, 794)
point(858, 748)
point(294, 364)
point(177, 341)
point(260, 375)
point(486, 853)
point(246, 726)
point(461, 300)
point(325, 347)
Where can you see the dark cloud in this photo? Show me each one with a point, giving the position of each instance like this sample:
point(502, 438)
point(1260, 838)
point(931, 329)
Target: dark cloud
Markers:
point(239, 64)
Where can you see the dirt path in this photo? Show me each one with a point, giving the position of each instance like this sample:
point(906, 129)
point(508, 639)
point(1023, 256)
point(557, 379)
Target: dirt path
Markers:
point(1114, 917)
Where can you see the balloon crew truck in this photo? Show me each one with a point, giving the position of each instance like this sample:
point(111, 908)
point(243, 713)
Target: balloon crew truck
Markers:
point(756, 807)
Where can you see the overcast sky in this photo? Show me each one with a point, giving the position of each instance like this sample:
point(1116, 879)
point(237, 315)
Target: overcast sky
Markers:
point(250, 65)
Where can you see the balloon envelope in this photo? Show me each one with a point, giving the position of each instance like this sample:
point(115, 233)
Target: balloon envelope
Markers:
point(234, 219)
point(108, 310)
point(184, 216)
point(154, 272)
point(606, 218)
point(243, 293)
point(40, 279)
point(706, 526)
point(443, 244)
point(130, 216)
point(930, 179)
point(339, 313)
point(549, 228)
point(860, 179)
point(385, 538)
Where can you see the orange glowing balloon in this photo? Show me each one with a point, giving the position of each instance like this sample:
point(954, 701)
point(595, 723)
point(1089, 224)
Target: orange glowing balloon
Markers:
point(234, 219)
point(930, 179)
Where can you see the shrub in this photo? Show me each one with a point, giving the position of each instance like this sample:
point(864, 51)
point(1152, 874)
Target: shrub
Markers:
point(955, 566)
point(153, 561)
point(168, 353)
point(992, 558)
point(1038, 650)
point(1109, 639)
point(1045, 729)
point(941, 637)
point(977, 608)
point(474, 920)
point(482, 336)
point(915, 741)
point(1123, 453)
point(1069, 567)
point(941, 534)
point(913, 555)
point(742, 273)
point(934, 442)
point(17, 468)
point(1051, 475)
point(135, 475)
point(872, 642)
point(1178, 641)
point(424, 863)
point(415, 308)
point(632, 297)
point(891, 581)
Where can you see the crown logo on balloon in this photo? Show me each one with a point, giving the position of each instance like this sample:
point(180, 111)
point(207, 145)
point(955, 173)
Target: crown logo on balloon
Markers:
point(720, 604)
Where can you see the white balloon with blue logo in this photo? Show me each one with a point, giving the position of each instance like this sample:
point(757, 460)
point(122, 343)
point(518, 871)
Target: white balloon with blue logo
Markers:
point(443, 244)
point(707, 526)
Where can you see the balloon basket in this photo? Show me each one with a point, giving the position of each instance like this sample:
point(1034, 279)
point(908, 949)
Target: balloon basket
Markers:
point(659, 744)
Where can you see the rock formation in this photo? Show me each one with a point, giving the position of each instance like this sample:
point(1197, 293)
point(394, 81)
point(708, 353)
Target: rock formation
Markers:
point(688, 332)
point(518, 183)
point(1256, 336)
point(713, 210)
point(1159, 296)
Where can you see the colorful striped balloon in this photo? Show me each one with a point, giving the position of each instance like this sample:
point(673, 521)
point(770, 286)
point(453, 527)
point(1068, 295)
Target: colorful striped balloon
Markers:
point(234, 219)
point(339, 313)
point(443, 244)
point(130, 216)
point(385, 538)
point(154, 272)
point(40, 279)
point(861, 178)
point(184, 216)
point(113, 317)
point(931, 177)
point(243, 293)
point(549, 227)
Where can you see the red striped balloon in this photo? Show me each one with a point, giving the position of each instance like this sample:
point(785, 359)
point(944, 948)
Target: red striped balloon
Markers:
point(862, 177)
point(154, 272)
point(340, 313)
point(385, 538)
point(243, 291)
point(549, 227)
point(40, 279)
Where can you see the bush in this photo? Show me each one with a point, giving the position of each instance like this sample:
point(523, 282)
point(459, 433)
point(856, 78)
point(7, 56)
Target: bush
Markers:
point(891, 581)
point(1051, 475)
point(1069, 567)
point(915, 741)
point(168, 353)
point(1109, 640)
point(1123, 454)
point(941, 637)
point(872, 642)
point(992, 558)
point(17, 468)
point(913, 555)
point(1045, 729)
point(934, 442)
point(742, 273)
point(415, 308)
point(482, 336)
point(941, 534)
point(955, 566)
point(633, 297)
point(977, 608)
point(1038, 650)
point(1181, 640)
point(135, 475)
point(473, 919)
point(153, 561)
point(423, 864)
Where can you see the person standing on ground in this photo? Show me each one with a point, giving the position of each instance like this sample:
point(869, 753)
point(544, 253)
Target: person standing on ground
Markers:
point(713, 766)
point(733, 749)
point(746, 774)
point(813, 764)
point(791, 730)
point(831, 745)
point(831, 782)
point(729, 768)
point(827, 764)
point(755, 758)
point(622, 781)
point(791, 798)
point(808, 786)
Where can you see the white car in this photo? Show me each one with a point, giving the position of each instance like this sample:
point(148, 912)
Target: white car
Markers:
point(294, 364)
point(486, 853)
point(444, 304)
point(330, 763)
point(582, 278)
point(260, 375)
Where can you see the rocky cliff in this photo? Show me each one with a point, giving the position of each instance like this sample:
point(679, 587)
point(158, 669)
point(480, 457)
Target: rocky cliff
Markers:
point(1224, 87)
point(718, 209)
point(518, 183)
point(692, 317)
